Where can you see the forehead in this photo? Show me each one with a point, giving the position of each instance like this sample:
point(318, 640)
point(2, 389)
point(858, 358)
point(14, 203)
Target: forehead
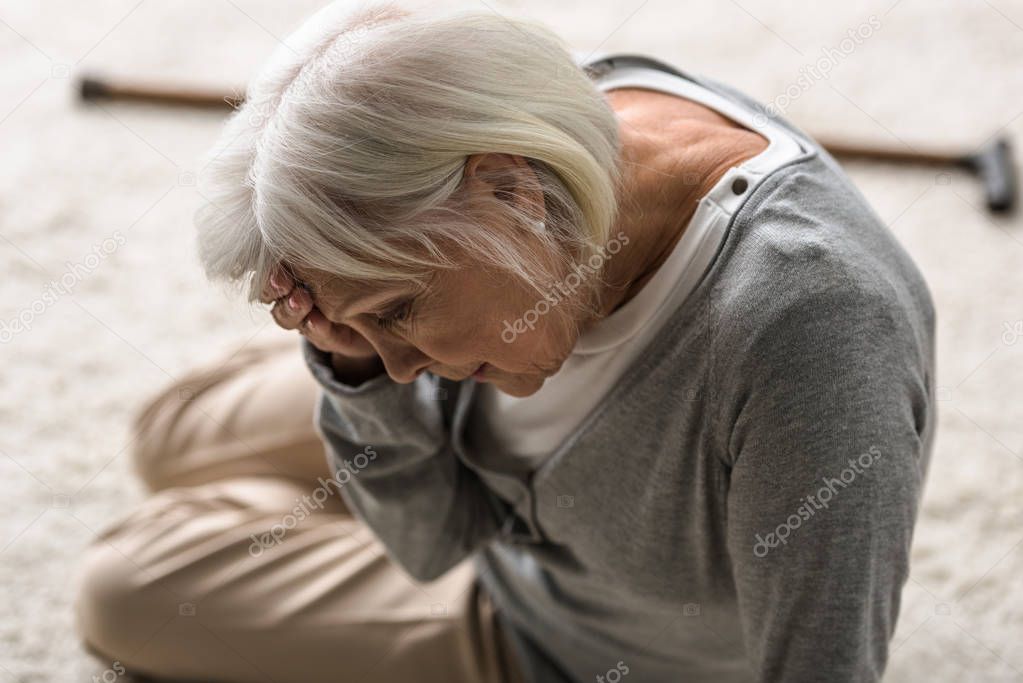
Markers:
point(349, 296)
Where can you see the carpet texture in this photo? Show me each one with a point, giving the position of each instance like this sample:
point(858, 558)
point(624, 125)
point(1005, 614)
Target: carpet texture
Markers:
point(97, 255)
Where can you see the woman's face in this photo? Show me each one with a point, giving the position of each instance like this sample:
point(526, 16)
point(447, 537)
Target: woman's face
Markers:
point(466, 318)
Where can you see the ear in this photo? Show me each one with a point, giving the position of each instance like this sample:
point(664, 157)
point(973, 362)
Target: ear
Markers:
point(509, 177)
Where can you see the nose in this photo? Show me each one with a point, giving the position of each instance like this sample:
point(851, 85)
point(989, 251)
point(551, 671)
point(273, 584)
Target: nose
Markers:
point(403, 362)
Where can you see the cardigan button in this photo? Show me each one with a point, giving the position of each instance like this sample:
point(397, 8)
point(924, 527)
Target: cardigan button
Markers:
point(739, 185)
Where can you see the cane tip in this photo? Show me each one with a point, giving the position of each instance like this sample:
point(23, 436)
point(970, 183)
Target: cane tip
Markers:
point(91, 88)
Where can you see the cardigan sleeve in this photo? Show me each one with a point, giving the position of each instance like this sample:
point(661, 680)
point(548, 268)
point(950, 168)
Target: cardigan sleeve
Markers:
point(829, 449)
point(392, 456)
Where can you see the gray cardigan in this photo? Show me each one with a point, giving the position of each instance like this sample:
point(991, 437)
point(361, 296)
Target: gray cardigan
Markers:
point(740, 507)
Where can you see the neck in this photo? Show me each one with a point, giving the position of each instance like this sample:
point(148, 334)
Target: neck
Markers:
point(665, 175)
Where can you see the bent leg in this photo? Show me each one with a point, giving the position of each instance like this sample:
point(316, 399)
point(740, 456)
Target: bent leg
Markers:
point(249, 411)
point(184, 589)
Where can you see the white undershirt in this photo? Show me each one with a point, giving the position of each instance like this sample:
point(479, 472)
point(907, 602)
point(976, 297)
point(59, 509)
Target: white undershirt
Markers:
point(529, 429)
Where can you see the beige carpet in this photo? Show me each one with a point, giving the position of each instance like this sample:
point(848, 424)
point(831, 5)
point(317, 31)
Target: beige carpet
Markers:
point(97, 257)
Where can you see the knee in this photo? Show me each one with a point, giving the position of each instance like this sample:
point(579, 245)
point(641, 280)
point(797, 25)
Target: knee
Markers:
point(202, 409)
point(152, 428)
point(116, 611)
point(170, 425)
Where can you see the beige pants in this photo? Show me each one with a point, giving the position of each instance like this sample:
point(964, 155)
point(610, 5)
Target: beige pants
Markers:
point(181, 588)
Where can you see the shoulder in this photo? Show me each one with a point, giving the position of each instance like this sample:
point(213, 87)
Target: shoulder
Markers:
point(814, 303)
point(807, 250)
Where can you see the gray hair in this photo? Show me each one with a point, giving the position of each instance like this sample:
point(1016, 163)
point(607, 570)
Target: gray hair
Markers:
point(349, 151)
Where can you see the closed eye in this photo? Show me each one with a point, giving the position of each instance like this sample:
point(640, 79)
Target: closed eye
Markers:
point(307, 287)
point(398, 314)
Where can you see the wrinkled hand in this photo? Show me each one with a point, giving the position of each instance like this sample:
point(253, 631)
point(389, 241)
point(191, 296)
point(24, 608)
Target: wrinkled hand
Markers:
point(293, 309)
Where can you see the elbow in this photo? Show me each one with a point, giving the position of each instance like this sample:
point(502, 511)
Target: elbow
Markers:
point(432, 561)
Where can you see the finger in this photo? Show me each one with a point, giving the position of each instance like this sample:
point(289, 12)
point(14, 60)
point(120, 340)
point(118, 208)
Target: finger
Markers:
point(319, 331)
point(335, 337)
point(279, 283)
point(281, 279)
point(289, 311)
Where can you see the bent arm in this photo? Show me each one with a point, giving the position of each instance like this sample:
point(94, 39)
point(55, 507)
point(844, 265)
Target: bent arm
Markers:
point(429, 509)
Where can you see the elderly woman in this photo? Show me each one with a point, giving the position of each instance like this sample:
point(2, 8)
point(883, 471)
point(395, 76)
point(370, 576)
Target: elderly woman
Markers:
point(597, 369)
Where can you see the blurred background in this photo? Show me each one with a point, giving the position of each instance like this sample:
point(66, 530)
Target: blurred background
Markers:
point(103, 301)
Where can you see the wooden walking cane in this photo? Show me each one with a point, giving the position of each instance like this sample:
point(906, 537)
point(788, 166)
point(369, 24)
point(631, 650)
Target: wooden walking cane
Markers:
point(993, 163)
